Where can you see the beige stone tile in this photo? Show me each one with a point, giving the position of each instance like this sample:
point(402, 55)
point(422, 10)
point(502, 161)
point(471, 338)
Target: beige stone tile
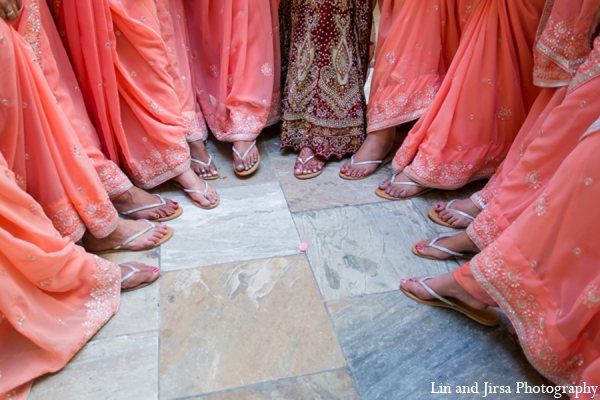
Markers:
point(124, 367)
point(328, 385)
point(240, 324)
point(365, 249)
point(250, 223)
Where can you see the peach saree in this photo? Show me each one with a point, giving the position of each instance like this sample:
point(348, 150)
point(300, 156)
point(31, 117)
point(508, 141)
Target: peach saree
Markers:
point(37, 139)
point(543, 269)
point(416, 43)
point(535, 155)
point(129, 57)
point(236, 65)
point(55, 296)
point(478, 110)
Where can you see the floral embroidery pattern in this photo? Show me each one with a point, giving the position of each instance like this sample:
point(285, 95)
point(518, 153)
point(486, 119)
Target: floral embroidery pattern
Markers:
point(505, 283)
point(591, 297)
point(324, 104)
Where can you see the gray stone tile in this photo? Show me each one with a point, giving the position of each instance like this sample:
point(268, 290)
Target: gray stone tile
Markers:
point(327, 385)
point(250, 223)
point(326, 190)
point(240, 324)
point(365, 249)
point(124, 367)
point(397, 347)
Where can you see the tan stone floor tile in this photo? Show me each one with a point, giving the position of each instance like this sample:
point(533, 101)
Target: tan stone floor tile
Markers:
point(124, 367)
point(328, 385)
point(240, 324)
point(366, 249)
point(251, 222)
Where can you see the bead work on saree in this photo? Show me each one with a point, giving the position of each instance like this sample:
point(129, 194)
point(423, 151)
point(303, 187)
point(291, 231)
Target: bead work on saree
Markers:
point(562, 46)
point(33, 30)
point(160, 167)
point(324, 106)
point(115, 182)
point(104, 297)
point(504, 282)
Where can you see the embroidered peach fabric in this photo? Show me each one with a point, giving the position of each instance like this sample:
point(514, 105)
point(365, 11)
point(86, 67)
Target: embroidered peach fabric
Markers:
point(562, 45)
point(462, 136)
point(411, 63)
point(543, 269)
point(536, 155)
point(38, 140)
point(61, 79)
point(236, 65)
point(130, 82)
point(55, 296)
point(549, 71)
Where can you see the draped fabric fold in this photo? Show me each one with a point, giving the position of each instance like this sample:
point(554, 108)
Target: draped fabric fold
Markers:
point(131, 78)
point(236, 65)
point(37, 139)
point(480, 106)
point(55, 296)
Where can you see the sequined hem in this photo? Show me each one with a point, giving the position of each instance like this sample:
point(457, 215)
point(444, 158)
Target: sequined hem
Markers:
point(239, 124)
point(115, 182)
point(100, 219)
point(483, 230)
point(504, 282)
point(104, 297)
point(196, 127)
point(448, 176)
point(325, 142)
point(160, 167)
point(482, 198)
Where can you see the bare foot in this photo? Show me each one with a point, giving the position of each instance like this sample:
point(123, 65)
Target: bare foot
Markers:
point(189, 180)
point(250, 159)
point(459, 243)
point(125, 229)
point(446, 286)
point(136, 198)
point(146, 275)
point(200, 160)
point(449, 216)
point(304, 167)
point(402, 191)
point(376, 146)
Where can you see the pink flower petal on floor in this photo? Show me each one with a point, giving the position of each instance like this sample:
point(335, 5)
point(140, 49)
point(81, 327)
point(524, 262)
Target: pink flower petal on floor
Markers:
point(303, 247)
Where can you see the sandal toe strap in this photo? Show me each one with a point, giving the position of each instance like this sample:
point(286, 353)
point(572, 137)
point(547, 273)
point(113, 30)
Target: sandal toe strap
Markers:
point(433, 244)
point(162, 203)
point(454, 210)
point(242, 157)
point(136, 235)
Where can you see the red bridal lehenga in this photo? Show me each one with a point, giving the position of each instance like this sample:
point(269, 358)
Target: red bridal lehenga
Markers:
point(325, 51)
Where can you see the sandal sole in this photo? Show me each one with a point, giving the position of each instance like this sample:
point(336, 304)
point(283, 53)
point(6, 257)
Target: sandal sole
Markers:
point(487, 317)
point(381, 193)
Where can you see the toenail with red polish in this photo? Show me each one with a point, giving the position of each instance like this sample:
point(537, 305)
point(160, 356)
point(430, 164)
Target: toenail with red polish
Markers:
point(438, 206)
point(419, 247)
